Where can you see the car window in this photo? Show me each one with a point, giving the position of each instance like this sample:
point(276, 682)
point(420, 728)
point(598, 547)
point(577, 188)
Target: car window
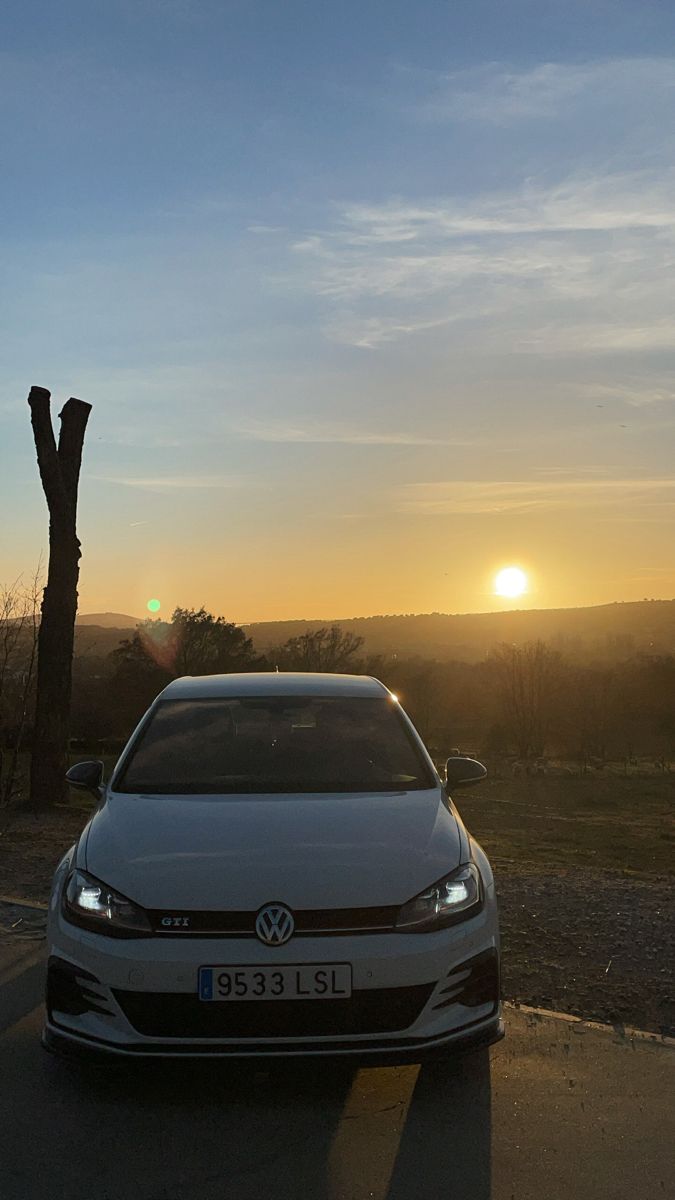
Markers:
point(275, 744)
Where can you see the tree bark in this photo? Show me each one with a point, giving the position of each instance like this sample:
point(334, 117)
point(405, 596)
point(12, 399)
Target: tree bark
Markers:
point(59, 472)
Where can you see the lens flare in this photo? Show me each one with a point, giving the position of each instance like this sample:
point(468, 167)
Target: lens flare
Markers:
point(511, 582)
point(153, 606)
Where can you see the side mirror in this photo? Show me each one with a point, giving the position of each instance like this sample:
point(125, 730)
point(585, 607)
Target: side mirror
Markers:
point(463, 772)
point(87, 776)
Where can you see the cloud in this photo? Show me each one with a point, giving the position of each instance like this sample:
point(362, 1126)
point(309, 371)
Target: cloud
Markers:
point(265, 431)
point(167, 483)
point(570, 473)
point(655, 570)
point(659, 335)
point(578, 258)
point(636, 393)
point(369, 333)
point(497, 95)
point(582, 264)
point(515, 498)
point(580, 202)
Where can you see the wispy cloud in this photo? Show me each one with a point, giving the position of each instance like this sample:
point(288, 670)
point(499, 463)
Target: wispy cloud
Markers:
point(576, 259)
point(601, 337)
point(499, 95)
point(169, 483)
point(265, 431)
point(636, 393)
point(477, 497)
point(584, 264)
point(597, 470)
point(578, 203)
point(668, 570)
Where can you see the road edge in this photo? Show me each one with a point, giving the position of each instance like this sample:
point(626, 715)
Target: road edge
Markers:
point(626, 1032)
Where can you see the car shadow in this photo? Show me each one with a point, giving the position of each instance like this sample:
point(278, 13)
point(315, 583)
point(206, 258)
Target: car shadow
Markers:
point(218, 1130)
point(328, 1130)
point(445, 1146)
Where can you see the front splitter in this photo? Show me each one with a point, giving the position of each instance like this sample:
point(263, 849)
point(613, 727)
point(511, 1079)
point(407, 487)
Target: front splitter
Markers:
point(394, 1052)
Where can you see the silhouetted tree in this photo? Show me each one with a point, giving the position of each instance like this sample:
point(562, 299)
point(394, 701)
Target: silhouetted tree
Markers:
point(589, 721)
point(59, 472)
point(201, 644)
point(652, 689)
point(19, 607)
point(528, 679)
point(194, 642)
point(135, 679)
point(319, 650)
point(94, 706)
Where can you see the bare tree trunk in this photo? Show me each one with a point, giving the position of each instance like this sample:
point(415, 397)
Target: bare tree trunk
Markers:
point(59, 472)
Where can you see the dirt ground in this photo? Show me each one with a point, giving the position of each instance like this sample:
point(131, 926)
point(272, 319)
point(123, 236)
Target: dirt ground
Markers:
point(584, 875)
point(584, 872)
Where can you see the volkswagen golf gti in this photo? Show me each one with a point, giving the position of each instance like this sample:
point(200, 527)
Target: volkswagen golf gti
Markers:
point(275, 868)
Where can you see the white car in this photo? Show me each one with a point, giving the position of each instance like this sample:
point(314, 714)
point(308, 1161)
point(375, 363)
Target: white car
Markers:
point(274, 869)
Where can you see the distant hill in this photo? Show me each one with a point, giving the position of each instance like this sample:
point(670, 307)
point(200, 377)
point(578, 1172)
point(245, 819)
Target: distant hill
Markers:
point(97, 634)
point(108, 620)
point(608, 631)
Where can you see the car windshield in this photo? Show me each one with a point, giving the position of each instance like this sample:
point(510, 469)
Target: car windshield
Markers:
point(275, 745)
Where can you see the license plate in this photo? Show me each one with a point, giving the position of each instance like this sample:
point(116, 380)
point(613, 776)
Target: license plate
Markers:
point(324, 981)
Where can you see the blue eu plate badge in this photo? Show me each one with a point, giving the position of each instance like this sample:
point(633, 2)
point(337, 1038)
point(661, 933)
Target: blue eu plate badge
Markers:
point(206, 983)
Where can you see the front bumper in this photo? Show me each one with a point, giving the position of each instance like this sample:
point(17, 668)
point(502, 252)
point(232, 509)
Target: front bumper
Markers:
point(393, 1053)
point(415, 996)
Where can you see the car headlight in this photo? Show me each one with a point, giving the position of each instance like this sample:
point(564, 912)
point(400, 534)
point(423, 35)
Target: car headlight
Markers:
point(94, 905)
point(458, 895)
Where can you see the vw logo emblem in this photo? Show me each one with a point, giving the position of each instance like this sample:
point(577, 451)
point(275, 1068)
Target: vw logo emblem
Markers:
point(274, 924)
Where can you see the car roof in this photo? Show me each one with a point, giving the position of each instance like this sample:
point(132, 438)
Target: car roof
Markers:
point(273, 683)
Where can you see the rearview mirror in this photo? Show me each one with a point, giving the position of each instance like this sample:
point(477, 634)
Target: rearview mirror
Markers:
point(463, 772)
point(87, 776)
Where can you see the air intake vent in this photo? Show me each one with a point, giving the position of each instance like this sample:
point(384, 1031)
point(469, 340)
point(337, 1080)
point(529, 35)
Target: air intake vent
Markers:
point(73, 990)
point(472, 983)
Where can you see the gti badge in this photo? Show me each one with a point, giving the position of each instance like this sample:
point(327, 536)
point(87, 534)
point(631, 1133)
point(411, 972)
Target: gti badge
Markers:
point(274, 924)
point(175, 922)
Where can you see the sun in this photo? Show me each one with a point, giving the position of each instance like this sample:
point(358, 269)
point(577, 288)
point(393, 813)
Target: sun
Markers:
point(511, 582)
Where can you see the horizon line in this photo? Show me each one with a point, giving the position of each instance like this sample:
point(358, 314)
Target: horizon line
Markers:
point(399, 615)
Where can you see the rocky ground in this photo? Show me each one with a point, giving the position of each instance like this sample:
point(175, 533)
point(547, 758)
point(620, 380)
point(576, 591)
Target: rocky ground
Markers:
point(591, 943)
point(581, 933)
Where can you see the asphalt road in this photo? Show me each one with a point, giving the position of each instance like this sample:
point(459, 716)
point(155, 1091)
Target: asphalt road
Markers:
point(556, 1110)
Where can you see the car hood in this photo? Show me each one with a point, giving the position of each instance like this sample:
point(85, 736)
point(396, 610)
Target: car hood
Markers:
point(310, 851)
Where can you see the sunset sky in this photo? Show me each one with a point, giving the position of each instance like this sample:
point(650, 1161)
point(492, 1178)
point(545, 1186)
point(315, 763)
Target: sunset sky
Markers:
point(370, 299)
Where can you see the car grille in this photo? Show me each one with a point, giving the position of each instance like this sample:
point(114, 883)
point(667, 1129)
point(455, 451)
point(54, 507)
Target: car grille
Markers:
point(242, 924)
point(184, 1015)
